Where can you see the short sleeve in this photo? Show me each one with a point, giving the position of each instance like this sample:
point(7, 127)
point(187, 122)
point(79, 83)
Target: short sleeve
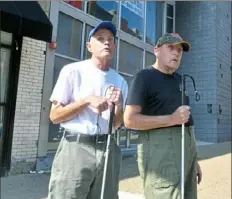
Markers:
point(124, 92)
point(137, 93)
point(64, 87)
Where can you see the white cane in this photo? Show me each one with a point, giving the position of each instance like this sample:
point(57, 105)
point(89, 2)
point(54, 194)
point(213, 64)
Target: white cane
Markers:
point(107, 151)
point(197, 98)
point(182, 143)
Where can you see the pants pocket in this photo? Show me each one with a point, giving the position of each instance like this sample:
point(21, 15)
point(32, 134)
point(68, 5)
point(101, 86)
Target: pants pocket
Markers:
point(162, 170)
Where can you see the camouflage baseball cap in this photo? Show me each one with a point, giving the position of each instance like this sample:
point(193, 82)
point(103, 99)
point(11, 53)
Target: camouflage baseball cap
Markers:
point(173, 38)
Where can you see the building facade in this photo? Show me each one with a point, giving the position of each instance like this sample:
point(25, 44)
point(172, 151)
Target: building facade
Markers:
point(207, 26)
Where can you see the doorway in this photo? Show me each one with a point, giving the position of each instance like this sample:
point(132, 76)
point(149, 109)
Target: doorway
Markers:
point(10, 50)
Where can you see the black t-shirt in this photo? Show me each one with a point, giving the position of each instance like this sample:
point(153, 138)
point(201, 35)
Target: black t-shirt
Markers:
point(156, 93)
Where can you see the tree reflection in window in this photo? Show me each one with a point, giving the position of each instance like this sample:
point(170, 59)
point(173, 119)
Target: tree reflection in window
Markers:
point(104, 10)
point(132, 19)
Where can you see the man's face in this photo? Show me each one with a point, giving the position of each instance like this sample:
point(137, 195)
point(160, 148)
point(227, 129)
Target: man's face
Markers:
point(169, 55)
point(102, 44)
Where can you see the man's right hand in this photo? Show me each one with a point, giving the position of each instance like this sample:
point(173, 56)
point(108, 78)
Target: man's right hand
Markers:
point(99, 102)
point(181, 115)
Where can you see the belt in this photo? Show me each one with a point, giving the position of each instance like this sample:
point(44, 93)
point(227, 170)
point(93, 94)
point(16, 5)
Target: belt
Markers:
point(83, 138)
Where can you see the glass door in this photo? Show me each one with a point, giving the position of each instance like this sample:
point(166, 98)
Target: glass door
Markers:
point(4, 76)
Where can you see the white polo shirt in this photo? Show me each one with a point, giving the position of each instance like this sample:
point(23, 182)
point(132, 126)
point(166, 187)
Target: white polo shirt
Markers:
point(81, 79)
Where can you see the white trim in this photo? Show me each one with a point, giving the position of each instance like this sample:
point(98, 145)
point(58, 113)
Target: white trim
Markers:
point(171, 2)
point(145, 22)
point(144, 58)
point(83, 41)
point(117, 58)
point(119, 14)
point(164, 18)
point(126, 74)
point(174, 17)
point(47, 84)
point(85, 6)
point(66, 57)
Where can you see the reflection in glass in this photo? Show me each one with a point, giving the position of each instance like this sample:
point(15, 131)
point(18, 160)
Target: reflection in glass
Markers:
point(69, 35)
point(4, 72)
point(1, 121)
point(87, 54)
point(77, 4)
point(127, 78)
point(130, 58)
point(104, 10)
point(170, 10)
point(169, 25)
point(54, 128)
point(149, 59)
point(154, 18)
point(132, 18)
point(6, 38)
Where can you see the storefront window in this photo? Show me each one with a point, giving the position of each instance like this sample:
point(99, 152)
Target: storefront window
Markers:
point(104, 10)
point(170, 18)
point(76, 4)
point(127, 78)
point(6, 38)
point(54, 128)
point(69, 36)
point(130, 58)
point(132, 18)
point(154, 19)
point(4, 72)
point(87, 54)
point(149, 59)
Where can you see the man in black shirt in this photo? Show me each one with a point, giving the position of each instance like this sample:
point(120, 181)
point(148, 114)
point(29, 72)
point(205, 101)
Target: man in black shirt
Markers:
point(154, 109)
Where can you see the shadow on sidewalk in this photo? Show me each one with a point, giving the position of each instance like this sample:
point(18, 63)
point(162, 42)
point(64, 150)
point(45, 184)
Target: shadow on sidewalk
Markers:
point(214, 150)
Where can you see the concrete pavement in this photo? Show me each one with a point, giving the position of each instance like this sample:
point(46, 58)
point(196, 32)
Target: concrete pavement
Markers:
point(215, 161)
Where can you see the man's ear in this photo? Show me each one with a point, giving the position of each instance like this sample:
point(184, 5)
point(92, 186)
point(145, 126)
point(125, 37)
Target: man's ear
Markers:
point(88, 46)
point(156, 51)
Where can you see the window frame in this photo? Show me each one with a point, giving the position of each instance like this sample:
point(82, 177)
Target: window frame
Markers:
point(172, 3)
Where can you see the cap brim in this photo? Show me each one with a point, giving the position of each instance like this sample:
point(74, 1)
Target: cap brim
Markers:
point(105, 24)
point(186, 46)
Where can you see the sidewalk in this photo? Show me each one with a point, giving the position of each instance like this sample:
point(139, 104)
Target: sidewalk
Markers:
point(215, 161)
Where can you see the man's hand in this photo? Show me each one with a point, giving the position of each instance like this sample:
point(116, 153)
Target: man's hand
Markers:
point(199, 174)
point(181, 115)
point(114, 95)
point(99, 102)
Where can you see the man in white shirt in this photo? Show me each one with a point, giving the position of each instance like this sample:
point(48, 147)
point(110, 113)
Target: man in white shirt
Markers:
point(81, 103)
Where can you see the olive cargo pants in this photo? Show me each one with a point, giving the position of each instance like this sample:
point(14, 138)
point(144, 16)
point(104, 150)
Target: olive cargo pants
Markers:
point(77, 171)
point(159, 163)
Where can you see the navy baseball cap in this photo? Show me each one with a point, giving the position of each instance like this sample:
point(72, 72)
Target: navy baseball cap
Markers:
point(104, 24)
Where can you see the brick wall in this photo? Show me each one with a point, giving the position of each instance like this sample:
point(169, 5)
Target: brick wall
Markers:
point(223, 38)
point(28, 103)
point(197, 22)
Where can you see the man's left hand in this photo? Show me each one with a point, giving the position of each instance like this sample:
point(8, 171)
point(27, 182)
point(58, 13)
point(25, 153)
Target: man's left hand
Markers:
point(199, 174)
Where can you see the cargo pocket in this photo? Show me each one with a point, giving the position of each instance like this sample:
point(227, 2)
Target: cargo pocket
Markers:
point(162, 170)
point(142, 152)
